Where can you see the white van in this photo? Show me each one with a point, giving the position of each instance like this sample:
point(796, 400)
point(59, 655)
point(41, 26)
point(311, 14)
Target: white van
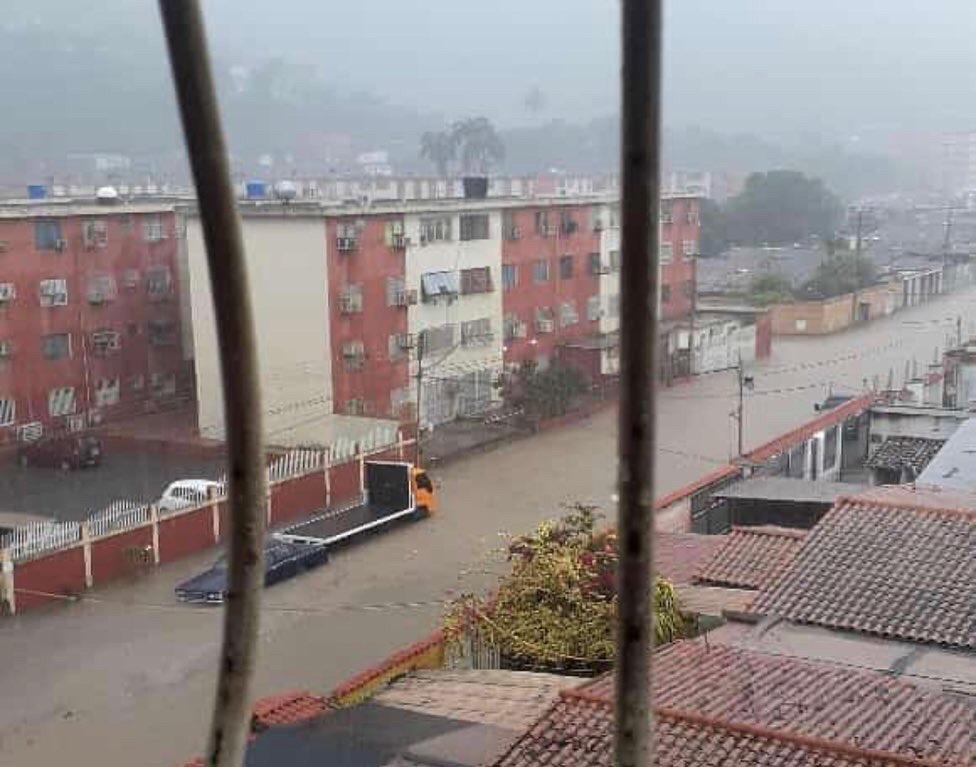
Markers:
point(188, 492)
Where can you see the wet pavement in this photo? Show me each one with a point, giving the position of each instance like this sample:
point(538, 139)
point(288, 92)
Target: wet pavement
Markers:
point(126, 677)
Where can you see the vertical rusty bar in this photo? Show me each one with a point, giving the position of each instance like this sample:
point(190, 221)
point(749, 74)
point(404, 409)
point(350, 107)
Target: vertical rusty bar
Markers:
point(640, 171)
point(190, 64)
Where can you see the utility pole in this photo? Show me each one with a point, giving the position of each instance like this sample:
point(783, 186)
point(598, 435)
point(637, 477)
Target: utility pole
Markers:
point(421, 338)
point(857, 257)
point(946, 242)
point(745, 382)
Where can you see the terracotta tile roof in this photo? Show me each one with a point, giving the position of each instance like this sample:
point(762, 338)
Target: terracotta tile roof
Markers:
point(725, 706)
point(677, 556)
point(751, 557)
point(898, 571)
point(510, 699)
point(286, 708)
point(904, 452)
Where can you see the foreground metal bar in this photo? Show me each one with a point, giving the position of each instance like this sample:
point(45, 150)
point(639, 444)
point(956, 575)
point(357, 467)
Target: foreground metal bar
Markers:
point(640, 128)
point(189, 60)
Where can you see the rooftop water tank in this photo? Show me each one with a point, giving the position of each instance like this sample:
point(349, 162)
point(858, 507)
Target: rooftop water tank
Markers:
point(36, 192)
point(256, 190)
point(107, 195)
point(286, 190)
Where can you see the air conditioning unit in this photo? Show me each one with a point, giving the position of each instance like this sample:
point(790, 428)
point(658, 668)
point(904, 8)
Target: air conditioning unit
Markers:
point(405, 298)
point(400, 241)
point(6, 349)
point(350, 304)
point(545, 326)
point(30, 432)
point(603, 269)
point(515, 233)
point(60, 245)
point(521, 330)
point(96, 297)
point(7, 292)
point(598, 226)
point(4, 246)
point(345, 244)
point(353, 350)
point(549, 231)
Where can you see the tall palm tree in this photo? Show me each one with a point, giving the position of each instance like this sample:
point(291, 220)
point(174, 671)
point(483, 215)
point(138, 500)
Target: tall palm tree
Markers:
point(479, 143)
point(440, 147)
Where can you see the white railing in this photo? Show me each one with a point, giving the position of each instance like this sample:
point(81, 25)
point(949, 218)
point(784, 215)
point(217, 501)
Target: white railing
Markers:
point(117, 516)
point(38, 537)
point(295, 463)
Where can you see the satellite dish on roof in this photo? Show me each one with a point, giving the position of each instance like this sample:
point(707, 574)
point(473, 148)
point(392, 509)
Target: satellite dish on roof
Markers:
point(107, 195)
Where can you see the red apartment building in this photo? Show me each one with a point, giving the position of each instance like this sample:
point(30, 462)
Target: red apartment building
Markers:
point(680, 233)
point(89, 314)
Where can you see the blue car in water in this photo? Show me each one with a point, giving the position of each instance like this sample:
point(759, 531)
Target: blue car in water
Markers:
point(282, 560)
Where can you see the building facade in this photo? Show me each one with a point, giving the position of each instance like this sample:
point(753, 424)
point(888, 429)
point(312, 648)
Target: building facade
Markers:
point(90, 316)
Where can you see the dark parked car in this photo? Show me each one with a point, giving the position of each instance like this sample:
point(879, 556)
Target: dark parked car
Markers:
point(71, 452)
point(282, 560)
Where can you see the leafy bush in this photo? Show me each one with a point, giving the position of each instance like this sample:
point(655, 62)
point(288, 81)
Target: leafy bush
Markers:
point(558, 606)
point(543, 393)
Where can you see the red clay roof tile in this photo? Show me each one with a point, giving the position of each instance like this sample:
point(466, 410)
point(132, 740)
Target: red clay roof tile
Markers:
point(751, 557)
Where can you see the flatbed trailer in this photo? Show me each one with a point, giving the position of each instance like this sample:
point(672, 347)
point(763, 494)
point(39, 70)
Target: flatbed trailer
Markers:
point(390, 495)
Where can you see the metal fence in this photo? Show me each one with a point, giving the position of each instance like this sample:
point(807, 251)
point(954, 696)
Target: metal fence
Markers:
point(119, 515)
point(39, 537)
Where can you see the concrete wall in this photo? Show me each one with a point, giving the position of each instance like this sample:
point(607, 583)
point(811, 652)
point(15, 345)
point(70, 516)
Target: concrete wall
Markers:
point(286, 257)
point(833, 314)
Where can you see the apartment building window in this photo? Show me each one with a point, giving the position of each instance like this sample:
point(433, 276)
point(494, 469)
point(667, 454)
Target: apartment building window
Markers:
point(513, 327)
point(137, 382)
point(593, 264)
point(435, 229)
point(666, 252)
point(152, 227)
point(47, 235)
point(158, 282)
point(510, 230)
point(565, 267)
point(61, 401)
point(666, 212)
point(355, 406)
point(8, 411)
point(354, 354)
point(56, 346)
point(351, 299)
point(540, 270)
point(544, 320)
point(101, 288)
point(477, 280)
point(396, 288)
point(161, 332)
point(665, 294)
point(474, 226)
point(596, 219)
point(54, 292)
point(94, 233)
point(614, 216)
point(438, 338)
point(688, 289)
point(568, 314)
point(162, 385)
point(688, 248)
point(107, 392)
point(105, 341)
point(394, 235)
point(130, 278)
point(542, 223)
point(510, 276)
point(438, 285)
point(593, 308)
point(399, 400)
point(398, 344)
point(613, 305)
point(567, 223)
point(614, 260)
point(476, 332)
point(691, 215)
point(8, 292)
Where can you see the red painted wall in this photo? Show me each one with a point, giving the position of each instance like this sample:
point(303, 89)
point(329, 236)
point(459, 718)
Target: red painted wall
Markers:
point(185, 534)
point(344, 482)
point(523, 299)
point(60, 573)
point(679, 275)
point(764, 336)
point(108, 554)
point(27, 375)
point(368, 265)
point(297, 497)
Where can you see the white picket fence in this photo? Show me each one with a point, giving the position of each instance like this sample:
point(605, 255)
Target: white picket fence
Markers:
point(39, 537)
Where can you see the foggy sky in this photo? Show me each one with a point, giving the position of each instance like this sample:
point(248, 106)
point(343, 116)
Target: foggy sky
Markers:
point(841, 68)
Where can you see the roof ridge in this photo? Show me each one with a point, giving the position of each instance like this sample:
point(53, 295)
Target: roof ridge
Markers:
point(857, 500)
point(773, 531)
point(758, 731)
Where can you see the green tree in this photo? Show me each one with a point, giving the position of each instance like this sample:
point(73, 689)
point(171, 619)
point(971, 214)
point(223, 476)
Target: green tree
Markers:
point(557, 607)
point(781, 207)
point(714, 239)
point(840, 274)
point(766, 289)
point(479, 144)
point(440, 147)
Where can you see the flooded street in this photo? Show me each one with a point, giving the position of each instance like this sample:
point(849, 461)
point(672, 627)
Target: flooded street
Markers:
point(126, 677)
